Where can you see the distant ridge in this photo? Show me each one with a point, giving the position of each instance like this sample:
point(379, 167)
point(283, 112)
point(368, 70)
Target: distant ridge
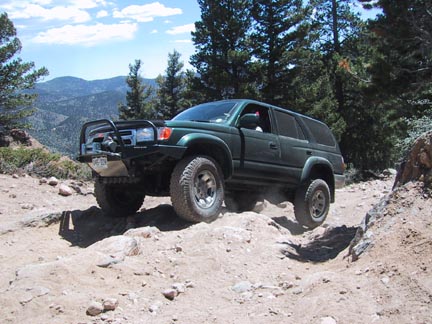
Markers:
point(65, 103)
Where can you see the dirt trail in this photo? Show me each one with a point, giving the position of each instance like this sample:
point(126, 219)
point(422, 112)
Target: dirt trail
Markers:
point(58, 254)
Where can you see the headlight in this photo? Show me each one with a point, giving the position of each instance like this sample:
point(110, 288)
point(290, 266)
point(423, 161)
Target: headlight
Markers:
point(147, 134)
point(144, 134)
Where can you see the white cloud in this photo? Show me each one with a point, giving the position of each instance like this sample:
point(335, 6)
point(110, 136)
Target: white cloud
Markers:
point(154, 31)
point(101, 14)
point(88, 4)
point(56, 13)
point(87, 35)
point(181, 29)
point(147, 12)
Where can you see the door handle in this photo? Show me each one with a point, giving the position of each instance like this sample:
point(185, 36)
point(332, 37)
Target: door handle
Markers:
point(273, 146)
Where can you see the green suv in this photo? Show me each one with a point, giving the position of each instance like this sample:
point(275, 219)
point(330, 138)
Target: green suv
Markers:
point(237, 151)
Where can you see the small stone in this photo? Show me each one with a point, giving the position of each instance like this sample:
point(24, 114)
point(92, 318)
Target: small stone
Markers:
point(95, 308)
point(170, 294)
point(385, 280)
point(242, 287)
point(328, 320)
point(43, 180)
point(65, 190)
point(15, 176)
point(27, 206)
point(189, 284)
point(53, 181)
point(110, 304)
point(155, 307)
point(179, 287)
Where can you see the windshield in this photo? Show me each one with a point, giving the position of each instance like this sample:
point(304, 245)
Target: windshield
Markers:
point(213, 112)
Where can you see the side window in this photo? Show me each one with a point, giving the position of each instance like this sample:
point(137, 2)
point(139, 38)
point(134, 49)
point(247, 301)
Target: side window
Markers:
point(288, 126)
point(321, 132)
point(264, 124)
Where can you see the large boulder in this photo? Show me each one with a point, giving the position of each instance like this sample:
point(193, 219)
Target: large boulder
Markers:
point(417, 165)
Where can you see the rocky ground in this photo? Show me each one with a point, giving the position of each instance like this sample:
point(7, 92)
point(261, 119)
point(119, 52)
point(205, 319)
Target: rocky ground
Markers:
point(62, 261)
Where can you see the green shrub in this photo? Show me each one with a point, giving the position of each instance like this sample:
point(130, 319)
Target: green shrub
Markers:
point(41, 163)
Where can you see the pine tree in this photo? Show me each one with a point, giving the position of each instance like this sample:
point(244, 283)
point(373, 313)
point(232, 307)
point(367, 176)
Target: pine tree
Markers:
point(222, 59)
point(16, 78)
point(402, 72)
point(138, 98)
point(278, 36)
point(172, 87)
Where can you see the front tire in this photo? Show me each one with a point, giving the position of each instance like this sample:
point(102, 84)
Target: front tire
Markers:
point(196, 189)
point(117, 200)
point(312, 203)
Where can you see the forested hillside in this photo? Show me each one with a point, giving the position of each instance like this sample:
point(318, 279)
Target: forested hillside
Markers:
point(65, 103)
point(370, 79)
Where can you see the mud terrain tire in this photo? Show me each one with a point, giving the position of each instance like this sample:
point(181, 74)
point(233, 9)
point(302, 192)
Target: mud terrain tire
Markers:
point(312, 203)
point(116, 200)
point(197, 189)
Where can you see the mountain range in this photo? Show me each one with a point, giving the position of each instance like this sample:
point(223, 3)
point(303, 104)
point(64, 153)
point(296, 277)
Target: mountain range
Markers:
point(65, 103)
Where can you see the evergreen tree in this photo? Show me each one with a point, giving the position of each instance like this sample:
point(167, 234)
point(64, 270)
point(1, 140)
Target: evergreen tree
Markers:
point(222, 59)
point(171, 92)
point(277, 38)
point(402, 71)
point(138, 98)
point(334, 24)
point(16, 77)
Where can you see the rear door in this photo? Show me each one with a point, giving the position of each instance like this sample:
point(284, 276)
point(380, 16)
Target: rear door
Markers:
point(295, 148)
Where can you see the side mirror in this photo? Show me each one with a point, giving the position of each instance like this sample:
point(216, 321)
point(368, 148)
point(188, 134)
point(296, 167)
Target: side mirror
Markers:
point(249, 121)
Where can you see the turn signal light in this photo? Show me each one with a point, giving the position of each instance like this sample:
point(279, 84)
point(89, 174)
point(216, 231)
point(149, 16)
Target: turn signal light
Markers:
point(165, 133)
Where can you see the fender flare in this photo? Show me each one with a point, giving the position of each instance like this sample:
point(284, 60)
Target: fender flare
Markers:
point(198, 139)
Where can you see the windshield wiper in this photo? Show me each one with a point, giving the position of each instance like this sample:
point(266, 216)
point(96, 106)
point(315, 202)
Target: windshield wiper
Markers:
point(200, 121)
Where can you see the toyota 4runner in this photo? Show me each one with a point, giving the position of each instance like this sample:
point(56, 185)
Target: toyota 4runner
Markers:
point(237, 151)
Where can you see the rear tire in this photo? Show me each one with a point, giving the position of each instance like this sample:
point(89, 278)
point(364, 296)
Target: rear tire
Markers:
point(116, 200)
point(312, 203)
point(196, 189)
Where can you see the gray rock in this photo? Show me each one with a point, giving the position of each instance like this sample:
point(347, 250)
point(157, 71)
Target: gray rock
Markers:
point(53, 181)
point(65, 190)
point(27, 206)
point(110, 304)
point(328, 320)
point(242, 287)
point(43, 220)
point(144, 232)
point(95, 308)
point(181, 288)
point(170, 294)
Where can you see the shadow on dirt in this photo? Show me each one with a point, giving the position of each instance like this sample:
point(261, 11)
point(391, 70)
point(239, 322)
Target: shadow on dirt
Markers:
point(294, 227)
point(84, 227)
point(324, 247)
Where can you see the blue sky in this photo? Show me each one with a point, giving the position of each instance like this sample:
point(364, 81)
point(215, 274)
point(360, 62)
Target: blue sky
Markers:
point(98, 39)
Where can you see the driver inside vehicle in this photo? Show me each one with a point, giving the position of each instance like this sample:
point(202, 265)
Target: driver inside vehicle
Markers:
point(263, 124)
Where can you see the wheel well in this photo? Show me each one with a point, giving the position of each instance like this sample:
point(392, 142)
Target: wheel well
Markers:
point(215, 152)
point(320, 171)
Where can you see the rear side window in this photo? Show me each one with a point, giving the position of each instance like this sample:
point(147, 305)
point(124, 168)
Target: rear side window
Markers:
point(288, 125)
point(321, 132)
